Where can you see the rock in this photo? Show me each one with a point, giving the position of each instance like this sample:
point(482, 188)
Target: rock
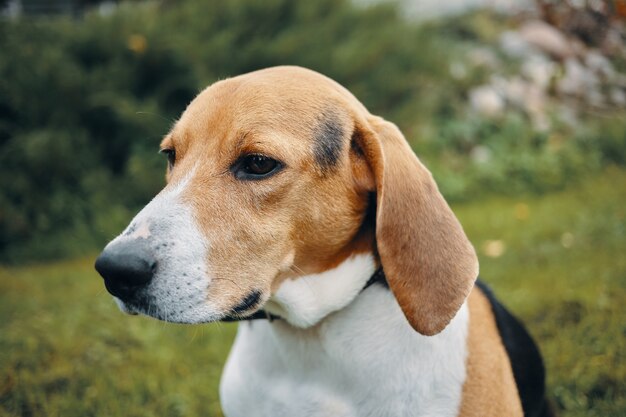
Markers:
point(539, 70)
point(618, 97)
point(578, 80)
point(486, 101)
point(546, 38)
point(600, 64)
point(521, 94)
point(525, 96)
point(482, 57)
point(512, 44)
point(513, 90)
point(480, 154)
point(534, 100)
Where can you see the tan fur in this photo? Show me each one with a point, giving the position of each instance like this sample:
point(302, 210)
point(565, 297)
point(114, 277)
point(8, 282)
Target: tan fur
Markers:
point(489, 389)
point(306, 219)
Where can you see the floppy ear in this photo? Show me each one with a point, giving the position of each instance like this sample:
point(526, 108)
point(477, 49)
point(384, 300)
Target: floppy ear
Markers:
point(429, 263)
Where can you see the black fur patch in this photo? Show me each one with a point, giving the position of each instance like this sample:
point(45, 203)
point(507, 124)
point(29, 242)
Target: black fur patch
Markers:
point(525, 358)
point(354, 144)
point(328, 141)
point(247, 303)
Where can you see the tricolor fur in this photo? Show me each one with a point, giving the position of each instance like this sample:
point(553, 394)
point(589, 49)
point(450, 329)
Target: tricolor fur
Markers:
point(346, 196)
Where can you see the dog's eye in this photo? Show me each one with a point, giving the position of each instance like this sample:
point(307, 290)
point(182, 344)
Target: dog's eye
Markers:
point(256, 167)
point(171, 156)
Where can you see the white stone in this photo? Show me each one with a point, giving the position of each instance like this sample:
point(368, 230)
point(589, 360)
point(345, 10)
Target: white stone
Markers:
point(486, 101)
point(482, 57)
point(547, 38)
point(578, 80)
point(539, 70)
point(513, 90)
point(618, 96)
point(480, 154)
point(600, 64)
point(512, 44)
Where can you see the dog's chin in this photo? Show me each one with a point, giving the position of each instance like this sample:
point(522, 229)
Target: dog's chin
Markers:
point(200, 316)
point(126, 308)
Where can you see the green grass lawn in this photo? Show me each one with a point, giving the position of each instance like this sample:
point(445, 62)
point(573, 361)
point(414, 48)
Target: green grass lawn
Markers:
point(558, 261)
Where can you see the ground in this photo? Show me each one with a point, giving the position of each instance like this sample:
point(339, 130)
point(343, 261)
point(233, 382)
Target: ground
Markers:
point(557, 261)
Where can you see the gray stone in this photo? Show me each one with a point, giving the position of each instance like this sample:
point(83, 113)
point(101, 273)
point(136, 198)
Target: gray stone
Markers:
point(546, 38)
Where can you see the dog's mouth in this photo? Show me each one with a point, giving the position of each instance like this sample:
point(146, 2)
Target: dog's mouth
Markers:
point(146, 305)
point(141, 305)
point(156, 312)
point(179, 312)
point(126, 307)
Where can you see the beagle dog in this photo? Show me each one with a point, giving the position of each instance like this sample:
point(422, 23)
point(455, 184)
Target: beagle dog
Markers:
point(287, 200)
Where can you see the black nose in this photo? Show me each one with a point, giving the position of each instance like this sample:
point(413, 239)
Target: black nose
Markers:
point(126, 267)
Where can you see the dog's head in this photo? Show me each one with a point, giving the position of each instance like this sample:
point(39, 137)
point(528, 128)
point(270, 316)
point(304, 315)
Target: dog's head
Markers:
point(276, 175)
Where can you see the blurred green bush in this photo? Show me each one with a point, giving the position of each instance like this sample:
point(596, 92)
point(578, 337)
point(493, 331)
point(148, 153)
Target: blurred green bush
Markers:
point(84, 102)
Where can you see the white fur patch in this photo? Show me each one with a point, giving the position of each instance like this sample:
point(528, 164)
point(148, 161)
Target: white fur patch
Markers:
point(364, 360)
point(306, 300)
point(178, 290)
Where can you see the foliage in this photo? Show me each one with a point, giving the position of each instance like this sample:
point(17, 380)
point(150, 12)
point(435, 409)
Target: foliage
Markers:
point(84, 101)
point(70, 135)
point(65, 349)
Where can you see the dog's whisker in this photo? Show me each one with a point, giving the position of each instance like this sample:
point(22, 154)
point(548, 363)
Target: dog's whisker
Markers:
point(231, 281)
point(295, 268)
point(147, 113)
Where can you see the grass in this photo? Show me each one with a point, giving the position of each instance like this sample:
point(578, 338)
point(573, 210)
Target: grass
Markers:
point(556, 260)
point(563, 271)
point(65, 350)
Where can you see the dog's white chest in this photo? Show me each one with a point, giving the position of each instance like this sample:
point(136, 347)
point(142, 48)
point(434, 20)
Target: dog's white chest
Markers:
point(364, 360)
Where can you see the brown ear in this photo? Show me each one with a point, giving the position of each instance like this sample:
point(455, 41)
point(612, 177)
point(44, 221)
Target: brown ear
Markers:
point(429, 263)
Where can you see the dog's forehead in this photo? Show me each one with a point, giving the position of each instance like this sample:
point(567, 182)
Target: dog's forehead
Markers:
point(275, 103)
point(265, 97)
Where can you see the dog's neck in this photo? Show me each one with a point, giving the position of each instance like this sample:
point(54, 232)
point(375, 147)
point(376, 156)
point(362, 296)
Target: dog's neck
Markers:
point(305, 301)
point(343, 351)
